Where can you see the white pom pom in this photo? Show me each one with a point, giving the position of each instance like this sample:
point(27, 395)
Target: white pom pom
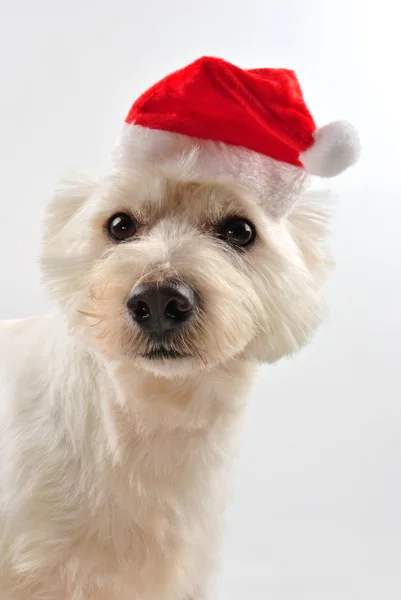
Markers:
point(336, 147)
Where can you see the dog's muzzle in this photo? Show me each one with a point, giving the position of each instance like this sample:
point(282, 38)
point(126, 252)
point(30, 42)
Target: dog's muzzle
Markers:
point(160, 308)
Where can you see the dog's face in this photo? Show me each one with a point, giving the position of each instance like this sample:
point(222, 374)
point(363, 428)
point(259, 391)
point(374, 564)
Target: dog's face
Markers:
point(178, 276)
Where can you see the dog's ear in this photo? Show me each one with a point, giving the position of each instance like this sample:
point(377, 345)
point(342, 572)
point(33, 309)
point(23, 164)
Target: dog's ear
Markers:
point(295, 290)
point(69, 197)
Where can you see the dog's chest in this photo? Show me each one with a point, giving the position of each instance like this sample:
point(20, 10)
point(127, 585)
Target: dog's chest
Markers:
point(152, 532)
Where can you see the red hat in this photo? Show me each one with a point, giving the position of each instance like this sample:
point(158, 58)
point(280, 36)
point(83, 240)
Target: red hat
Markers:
point(246, 124)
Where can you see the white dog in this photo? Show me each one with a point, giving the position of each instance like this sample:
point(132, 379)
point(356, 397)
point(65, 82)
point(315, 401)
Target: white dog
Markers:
point(119, 409)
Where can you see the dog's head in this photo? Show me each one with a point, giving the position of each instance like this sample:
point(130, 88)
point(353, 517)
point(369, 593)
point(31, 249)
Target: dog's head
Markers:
point(183, 275)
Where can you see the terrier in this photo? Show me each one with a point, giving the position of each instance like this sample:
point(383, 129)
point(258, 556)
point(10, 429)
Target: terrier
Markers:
point(200, 254)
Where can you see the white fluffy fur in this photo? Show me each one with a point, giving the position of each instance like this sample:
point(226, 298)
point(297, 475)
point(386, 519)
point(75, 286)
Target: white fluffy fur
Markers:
point(274, 184)
point(112, 470)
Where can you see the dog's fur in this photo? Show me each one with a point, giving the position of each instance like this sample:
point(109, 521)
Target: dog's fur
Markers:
point(112, 466)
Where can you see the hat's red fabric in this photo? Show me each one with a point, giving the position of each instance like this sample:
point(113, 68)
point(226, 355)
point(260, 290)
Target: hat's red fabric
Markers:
point(260, 109)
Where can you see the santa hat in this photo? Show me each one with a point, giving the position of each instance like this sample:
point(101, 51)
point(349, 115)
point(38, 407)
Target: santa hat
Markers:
point(251, 127)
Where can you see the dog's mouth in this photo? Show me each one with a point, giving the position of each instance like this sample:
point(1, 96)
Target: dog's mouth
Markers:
point(163, 353)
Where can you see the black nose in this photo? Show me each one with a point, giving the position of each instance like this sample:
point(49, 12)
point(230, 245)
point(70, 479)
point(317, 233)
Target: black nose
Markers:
point(161, 308)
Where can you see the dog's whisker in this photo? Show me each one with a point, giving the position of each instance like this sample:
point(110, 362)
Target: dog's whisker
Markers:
point(89, 314)
point(203, 359)
point(102, 335)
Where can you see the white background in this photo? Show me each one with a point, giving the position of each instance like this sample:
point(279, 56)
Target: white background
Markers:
point(316, 510)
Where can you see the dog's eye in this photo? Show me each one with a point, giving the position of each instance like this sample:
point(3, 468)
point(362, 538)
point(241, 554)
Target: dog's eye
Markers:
point(238, 232)
point(121, 227)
